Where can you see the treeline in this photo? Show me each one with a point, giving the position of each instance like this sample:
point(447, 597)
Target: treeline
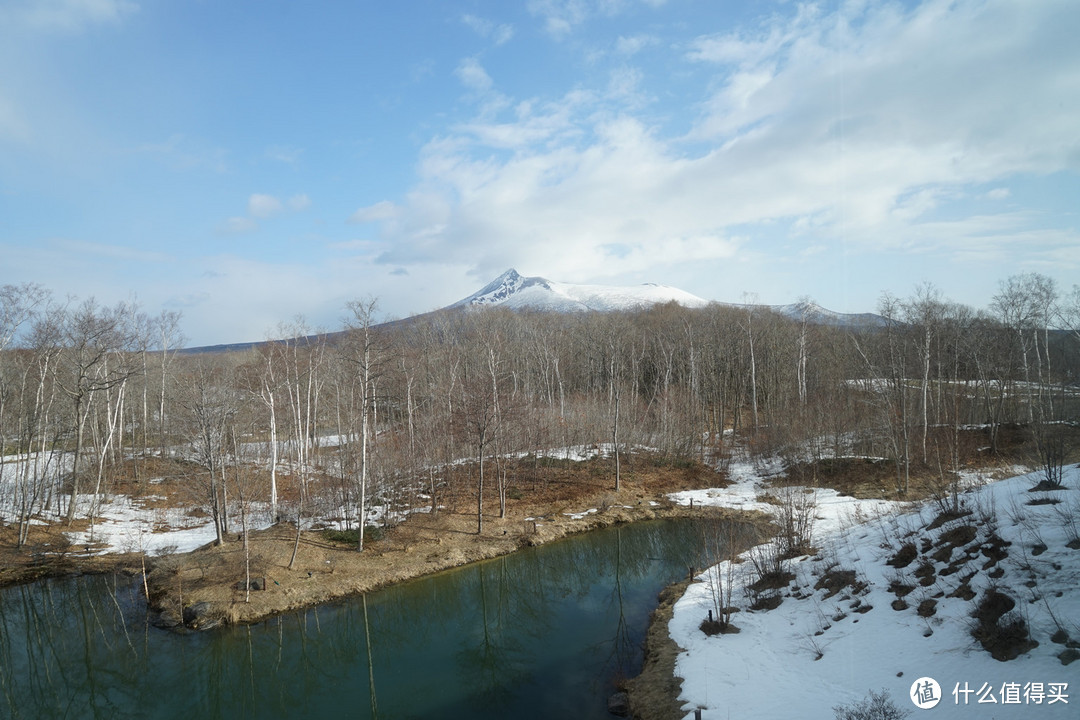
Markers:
point(446, 405)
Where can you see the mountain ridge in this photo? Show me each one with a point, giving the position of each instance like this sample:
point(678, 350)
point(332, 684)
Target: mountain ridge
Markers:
point(515, 291)
point(518, 292)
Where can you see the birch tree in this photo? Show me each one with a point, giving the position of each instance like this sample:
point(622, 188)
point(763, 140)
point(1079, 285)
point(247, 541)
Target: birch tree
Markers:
point(363, 354)
point(91, 337)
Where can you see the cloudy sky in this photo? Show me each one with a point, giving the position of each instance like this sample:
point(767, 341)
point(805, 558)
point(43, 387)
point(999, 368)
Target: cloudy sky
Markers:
point(248, 161)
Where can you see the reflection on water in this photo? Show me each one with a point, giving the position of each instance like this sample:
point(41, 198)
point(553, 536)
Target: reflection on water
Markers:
point(541, 633)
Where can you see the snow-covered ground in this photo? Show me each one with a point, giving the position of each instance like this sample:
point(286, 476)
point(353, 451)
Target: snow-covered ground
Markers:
point(122, 523)
point(126, 524)
point(815, 652)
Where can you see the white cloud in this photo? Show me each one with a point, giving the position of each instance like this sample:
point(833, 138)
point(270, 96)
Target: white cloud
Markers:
point(500, 34)
point(263, 206)
point(284, 153)
point(625, 82)
point(633, 44)
point(12, 123)
point(859, 124)
point(181, 152)
point(561, 17)
point(380, 211)
point(238, 226)
point(472, 75)
point(113, 252)
point(64, 15)
point(1000, 193)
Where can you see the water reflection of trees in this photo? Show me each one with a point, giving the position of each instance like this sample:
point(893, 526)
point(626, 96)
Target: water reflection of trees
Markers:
point(502, 636)
point(67, 650)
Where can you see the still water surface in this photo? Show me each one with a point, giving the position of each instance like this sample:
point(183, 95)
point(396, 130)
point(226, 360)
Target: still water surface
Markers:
point(542, 633)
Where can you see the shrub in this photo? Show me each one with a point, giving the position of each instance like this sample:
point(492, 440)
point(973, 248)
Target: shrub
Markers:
point(351, 537)
point(879, 706)
point(795, 516)
point(1002, 632)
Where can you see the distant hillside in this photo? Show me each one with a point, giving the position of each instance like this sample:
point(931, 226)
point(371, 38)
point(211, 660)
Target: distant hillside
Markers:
point(514, 291)
point(517, 292)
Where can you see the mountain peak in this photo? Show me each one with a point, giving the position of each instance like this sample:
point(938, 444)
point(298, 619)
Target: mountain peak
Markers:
point(518, 292)
point(498, 290)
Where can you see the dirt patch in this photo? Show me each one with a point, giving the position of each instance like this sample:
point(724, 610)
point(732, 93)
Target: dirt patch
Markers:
point(423, 544)
point(1001, 632)
point(994, 550)
point(926, 574)
point(858, 477)
point(900, 589)
point(544, 487)
point(964, 592)
point(945, 517)
point(716, 627)
point(767, 602)
point(957, 536)
point(904, 556)
point(864, 477)
point(49, 553)
point(771, 581)
point(833, 581)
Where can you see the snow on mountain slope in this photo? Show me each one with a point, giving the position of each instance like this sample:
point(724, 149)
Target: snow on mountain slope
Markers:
point(517, 292)
point(814, 313)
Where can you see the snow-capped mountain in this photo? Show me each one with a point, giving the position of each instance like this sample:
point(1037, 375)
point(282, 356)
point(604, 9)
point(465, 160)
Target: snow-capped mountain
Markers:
point(517, 292)
point(817, 315)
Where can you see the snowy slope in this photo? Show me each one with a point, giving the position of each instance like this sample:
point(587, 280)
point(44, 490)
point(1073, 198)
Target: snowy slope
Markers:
point(817, 315)
point(816, 651)
point(517, 292)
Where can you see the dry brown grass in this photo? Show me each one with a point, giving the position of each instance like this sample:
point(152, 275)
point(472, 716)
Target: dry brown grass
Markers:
point(877, 478)
point(422, 544)
point(654, 692)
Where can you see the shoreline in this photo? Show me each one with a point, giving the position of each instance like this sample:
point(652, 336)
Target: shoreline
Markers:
point(199, 590)
point(654, 692)
point(71, 566)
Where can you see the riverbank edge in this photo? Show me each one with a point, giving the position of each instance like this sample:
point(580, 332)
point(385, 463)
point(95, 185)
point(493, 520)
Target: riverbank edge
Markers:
point(193, 608)
point(72, 566)
point(654, 692)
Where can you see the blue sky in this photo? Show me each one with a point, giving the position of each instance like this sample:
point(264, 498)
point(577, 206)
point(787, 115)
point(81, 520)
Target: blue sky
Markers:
point(248, 162)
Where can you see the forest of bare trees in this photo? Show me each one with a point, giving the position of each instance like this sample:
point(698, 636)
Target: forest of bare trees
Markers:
point(428, 411)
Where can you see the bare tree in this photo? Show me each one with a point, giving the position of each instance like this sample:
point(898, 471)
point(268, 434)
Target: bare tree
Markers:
point(478, 415)
point(210, 401)
point(924, 315)
point(21, 307)
point(363, 352)
point(886, 363)
point(751, 303)
point(92, 336)
point(1024, 303)
point(168, 327)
